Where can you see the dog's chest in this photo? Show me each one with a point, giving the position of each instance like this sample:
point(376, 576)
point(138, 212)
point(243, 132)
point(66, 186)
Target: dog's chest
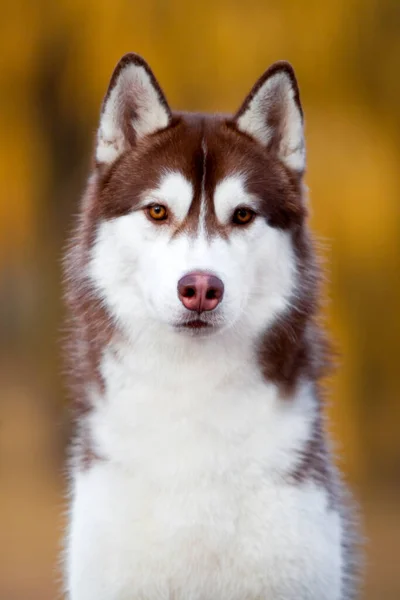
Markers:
point(190, 497)
point(241, 535)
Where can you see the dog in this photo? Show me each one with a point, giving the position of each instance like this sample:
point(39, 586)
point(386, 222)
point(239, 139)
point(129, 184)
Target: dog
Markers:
point(200, 468)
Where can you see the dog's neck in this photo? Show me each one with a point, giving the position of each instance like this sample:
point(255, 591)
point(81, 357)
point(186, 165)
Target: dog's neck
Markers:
point(214, 383)
point(176, 358)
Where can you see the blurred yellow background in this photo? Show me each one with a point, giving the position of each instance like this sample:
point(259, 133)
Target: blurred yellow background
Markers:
point(56, 60)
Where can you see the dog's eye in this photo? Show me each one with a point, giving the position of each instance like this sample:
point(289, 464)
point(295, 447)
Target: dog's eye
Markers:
point(157, 212)
point(243, 216)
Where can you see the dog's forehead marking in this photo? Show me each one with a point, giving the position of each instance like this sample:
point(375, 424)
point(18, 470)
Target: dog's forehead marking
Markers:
point(176, 192)
point(203, 198)
point(229, 194)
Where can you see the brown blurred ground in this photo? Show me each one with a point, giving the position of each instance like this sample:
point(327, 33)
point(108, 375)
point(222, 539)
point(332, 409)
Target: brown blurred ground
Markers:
point(56, 59)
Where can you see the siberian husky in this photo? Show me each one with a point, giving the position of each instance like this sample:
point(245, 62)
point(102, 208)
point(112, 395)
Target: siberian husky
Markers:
point(200, 467)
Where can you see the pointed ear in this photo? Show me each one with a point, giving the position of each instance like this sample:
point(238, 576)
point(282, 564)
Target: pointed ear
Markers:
point(133, 107)
point(273, 116)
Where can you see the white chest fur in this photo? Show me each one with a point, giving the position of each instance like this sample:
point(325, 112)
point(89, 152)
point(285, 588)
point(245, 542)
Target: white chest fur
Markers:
point(191, 501)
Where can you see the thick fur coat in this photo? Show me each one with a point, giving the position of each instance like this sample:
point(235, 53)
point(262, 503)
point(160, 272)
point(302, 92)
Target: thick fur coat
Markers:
point(200, 466)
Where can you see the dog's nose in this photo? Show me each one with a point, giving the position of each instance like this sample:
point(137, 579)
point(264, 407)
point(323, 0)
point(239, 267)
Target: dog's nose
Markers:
point(200, 291)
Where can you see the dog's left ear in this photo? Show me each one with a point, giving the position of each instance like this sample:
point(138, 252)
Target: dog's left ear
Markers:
point(272, 115)
point(133, 108)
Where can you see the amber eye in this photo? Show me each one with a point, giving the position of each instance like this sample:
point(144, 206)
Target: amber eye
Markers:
point(242, 216)
point(157, 212)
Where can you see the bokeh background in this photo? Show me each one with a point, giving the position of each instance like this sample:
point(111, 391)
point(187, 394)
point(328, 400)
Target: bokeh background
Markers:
point(56, 59)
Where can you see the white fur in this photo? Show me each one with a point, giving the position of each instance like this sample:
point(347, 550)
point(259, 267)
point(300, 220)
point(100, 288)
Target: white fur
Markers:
point(133, 86)
point(230, 193)
point(191, 499)
point(277, 89)
point(190, 504)
point(175, 192)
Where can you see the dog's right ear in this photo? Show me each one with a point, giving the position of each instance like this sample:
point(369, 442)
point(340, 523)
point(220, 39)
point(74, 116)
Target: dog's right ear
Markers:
point(272, 115)
point(133, 107)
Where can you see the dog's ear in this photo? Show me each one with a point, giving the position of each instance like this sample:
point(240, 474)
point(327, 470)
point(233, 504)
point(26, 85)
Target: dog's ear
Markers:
point(272, 115)
point(133, 107)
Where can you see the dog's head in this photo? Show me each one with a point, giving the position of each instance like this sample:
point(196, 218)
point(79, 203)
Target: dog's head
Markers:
point(195, 219)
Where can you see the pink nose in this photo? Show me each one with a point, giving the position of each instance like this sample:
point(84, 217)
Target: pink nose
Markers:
point(200, 291)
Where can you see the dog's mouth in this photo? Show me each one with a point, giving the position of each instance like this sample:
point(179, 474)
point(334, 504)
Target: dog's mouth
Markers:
point(199, 325)
point(195, 324)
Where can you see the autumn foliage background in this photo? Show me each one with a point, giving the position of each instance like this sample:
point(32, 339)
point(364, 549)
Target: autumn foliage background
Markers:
point(56, 60)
